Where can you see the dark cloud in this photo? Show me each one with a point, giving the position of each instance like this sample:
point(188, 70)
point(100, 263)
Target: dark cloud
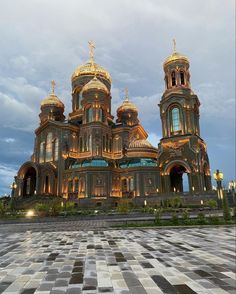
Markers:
point(43, 40)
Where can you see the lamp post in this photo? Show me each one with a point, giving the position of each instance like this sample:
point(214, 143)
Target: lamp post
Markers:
point(13, 187)
point(218, 176)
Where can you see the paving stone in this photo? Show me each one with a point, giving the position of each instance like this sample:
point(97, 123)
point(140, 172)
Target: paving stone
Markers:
point(116, 261)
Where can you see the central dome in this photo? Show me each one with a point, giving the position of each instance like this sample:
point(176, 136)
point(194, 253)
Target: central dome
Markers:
point(91, 68)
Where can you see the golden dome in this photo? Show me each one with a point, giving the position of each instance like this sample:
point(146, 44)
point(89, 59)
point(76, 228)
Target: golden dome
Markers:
point(140, 143)
point(176, 56)
point(91, 68)
point(95, 84)
point(53, 100)
point(127, 105)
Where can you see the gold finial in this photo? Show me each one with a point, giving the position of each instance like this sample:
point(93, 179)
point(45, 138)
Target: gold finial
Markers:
point(126, 94)
point(174, 45)
point(91, 50)
point(53, 83)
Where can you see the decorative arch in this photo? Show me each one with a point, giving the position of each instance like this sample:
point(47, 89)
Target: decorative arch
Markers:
point(171, 164)
point(27, 179)
point(178, 172)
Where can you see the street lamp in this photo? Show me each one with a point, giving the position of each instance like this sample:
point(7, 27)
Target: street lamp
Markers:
point(13, 187)
point(218, 176)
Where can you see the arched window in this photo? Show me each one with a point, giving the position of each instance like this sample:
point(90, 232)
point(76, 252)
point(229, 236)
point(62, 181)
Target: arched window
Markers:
point(175, 116)
point(167, 85)
point(117, 144)
point(41, 152)
point(182, 81)
point(89, 143)
point(49, 147)
point(80, 144)
point(46, 185)
point(70, 186)
point(89, 115)
point(85, 143)
point(173, 78)
point(76, 185)
point(56, 149)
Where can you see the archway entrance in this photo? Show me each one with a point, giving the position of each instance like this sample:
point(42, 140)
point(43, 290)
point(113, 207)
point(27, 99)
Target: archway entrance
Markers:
point(29, 182)
point(179, 179)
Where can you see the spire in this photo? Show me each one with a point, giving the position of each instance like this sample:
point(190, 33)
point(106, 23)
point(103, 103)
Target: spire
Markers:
point(126, 94)
point(174, 45)
point(53, 84)
point(91, 50)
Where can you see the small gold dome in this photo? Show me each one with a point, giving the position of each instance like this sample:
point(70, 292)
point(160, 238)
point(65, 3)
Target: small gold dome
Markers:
point(52, 100)
point(127, 105)
point(140, 143)
point(95, 84)
point(174, 57)
point(91, 68)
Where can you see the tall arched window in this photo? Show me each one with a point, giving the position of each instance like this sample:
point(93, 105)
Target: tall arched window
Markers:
point(89, 115)
point(89, 142)
point(41, 152)
point(173, 78)
point(117, 144)
point(182, 81)
point(80, 144)
point(49, 147)
point(175, 116)
point(56, 149)
point(85, 143)
point(166, 79)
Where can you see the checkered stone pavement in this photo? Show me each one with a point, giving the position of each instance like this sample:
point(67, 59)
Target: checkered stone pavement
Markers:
point(193, 260)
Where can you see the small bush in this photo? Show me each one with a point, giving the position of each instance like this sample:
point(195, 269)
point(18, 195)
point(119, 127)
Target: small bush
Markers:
point(214, 220)
point(226, 210)
point(3, 209)
point(174, 218)
point(123, 206)
point(201, 219)
point(158, 213)
point(185, 216)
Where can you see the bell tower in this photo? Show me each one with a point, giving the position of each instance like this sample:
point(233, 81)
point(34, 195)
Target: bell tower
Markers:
point(183, 155)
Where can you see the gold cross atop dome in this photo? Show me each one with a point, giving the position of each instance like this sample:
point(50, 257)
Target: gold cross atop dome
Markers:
point(91, 50)
point(174, 45)
point(126, 94)
point(53, 83)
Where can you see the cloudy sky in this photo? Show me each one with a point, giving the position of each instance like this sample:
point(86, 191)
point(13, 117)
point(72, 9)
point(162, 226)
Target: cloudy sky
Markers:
point(43, 40)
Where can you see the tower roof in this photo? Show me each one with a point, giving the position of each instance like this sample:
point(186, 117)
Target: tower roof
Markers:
point(52, 99)
point(175, 56)
point(127, 105)
point(91, 67)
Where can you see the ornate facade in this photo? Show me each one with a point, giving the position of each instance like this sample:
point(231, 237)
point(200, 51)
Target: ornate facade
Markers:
point(92, 156)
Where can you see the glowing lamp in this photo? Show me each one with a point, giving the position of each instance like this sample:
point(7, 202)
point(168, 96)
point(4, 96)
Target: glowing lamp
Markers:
point(218, 176)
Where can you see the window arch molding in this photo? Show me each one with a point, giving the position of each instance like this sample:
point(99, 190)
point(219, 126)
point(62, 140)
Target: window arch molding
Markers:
point(175, 119)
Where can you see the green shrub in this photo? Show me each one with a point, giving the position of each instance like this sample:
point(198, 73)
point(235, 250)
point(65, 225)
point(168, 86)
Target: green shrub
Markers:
point(123, 206)
point(158, 213)
point(174, 218)
point(211, 203)
point(201, 219)
point(226, 210)
point(185, 216)
point(3, 209)
point(42, 209)
point(214, 220)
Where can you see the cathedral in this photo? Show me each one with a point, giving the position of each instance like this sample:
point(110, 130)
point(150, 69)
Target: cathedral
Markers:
point(91, 155)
